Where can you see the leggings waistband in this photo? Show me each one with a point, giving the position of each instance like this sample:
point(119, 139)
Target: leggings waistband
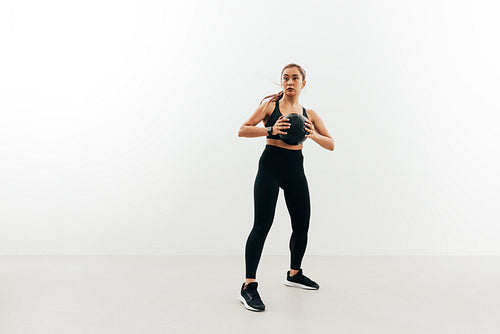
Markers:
point(272, 148)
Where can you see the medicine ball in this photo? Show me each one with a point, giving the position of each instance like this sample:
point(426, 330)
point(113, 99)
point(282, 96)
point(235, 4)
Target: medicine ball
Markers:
point(296, 134)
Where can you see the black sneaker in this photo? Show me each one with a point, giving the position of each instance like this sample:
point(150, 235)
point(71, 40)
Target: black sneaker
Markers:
point(300, 281)
point(250, 297)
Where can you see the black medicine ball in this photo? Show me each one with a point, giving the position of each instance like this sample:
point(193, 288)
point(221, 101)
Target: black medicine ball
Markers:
point(296, 134)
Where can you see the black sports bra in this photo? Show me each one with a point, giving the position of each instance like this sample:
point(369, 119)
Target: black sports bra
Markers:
point(274, 117)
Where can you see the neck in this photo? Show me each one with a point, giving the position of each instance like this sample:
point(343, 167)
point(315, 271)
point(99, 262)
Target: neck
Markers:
point(290, 100)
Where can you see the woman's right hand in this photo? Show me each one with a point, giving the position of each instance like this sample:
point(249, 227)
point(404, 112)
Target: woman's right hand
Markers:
point(280, 125)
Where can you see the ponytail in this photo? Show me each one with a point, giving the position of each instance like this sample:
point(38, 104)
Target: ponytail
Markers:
point(274, 97)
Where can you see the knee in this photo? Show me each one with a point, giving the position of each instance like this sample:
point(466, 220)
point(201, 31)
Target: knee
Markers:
point(300, 227)
point(300, 233)
point(261, 229)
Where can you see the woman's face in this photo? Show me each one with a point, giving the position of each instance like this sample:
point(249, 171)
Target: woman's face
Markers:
point(291, 81)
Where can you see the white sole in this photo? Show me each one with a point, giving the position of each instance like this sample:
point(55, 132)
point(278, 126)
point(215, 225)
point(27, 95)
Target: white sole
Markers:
point(248, 307)
point(297, 285)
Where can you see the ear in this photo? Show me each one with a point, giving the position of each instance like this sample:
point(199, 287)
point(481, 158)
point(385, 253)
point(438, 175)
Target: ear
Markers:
point(303, 84)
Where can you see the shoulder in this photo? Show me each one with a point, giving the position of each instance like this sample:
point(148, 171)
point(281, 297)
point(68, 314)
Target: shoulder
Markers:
point(312, 114)
point(267, 106)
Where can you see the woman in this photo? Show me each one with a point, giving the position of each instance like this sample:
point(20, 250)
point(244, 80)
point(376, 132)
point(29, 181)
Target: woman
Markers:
point(280, 166)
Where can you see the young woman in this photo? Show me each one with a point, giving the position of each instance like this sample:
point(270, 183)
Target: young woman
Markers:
point(281, 166)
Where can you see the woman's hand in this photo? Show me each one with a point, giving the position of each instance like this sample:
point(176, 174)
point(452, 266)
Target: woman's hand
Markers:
point(280, 125)
point(310, 129)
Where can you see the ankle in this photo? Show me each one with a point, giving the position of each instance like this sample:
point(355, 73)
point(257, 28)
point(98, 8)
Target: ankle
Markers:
point(249, 280)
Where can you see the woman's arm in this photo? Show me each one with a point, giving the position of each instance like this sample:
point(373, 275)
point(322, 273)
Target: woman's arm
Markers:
point(249, 128)
point(318, 132)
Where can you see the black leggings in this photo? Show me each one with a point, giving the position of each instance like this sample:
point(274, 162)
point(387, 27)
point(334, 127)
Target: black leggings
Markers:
point(279, 168)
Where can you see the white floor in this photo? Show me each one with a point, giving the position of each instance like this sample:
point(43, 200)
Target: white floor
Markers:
point(194, 294)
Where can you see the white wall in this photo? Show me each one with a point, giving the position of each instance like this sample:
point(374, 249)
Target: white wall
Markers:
point(119, 124)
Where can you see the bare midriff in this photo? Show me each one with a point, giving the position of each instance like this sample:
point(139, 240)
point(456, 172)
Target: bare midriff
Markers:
point(282, 144)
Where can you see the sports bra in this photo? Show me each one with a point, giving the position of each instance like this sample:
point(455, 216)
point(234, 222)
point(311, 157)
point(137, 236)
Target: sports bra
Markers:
point(274, 117)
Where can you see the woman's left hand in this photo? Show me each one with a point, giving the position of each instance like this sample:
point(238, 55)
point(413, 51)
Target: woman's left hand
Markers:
point(310, 129)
